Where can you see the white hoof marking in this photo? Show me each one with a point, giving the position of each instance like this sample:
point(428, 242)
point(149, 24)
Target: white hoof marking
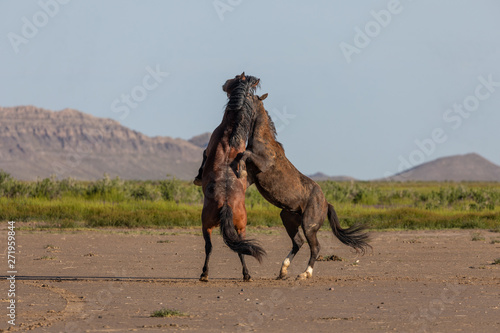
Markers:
point(286, 263)
point(307, 274)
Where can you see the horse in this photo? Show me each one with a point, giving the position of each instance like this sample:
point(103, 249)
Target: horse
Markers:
point(301, 199)
point(224, 192)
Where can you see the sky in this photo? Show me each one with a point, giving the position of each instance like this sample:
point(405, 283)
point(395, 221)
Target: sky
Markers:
point(358, 88)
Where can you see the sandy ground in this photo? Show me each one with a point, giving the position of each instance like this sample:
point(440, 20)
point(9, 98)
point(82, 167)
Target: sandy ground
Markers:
point(112, 280)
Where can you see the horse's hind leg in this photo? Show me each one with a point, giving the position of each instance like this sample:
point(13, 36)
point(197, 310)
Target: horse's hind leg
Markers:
point(312, 221)
point(312, 240)
point(291, 222)
point(246, 275)
point(208, 249)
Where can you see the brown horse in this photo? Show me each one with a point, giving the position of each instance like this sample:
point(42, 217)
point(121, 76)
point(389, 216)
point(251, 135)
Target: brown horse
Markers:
point(224, 192)
point(302, 201)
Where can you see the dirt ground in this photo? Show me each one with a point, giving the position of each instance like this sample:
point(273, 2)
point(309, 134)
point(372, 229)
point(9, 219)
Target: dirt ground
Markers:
point(113, 280)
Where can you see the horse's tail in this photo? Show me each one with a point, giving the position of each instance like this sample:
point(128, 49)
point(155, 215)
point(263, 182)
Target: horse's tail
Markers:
point(231, 238)
point(352, 236)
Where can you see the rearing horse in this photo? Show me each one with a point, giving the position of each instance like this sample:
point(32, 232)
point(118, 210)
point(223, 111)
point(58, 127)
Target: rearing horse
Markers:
point(224, 192)
point(301, 199)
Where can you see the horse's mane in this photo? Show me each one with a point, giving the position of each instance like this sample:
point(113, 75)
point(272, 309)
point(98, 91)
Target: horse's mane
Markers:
point(242, 108)
point(272, 129)
point(271, 126)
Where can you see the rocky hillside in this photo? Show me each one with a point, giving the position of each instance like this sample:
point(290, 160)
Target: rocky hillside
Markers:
point(201, 140)
point(469, 167)
point(35, 142)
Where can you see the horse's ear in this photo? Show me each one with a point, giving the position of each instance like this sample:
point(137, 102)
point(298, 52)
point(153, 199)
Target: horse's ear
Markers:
point(242, 76)
point(263, 97)
point(256, 83)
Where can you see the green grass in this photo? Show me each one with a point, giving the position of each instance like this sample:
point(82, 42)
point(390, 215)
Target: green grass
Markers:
point(173, 203)
point(73, 213)
point(167, 313)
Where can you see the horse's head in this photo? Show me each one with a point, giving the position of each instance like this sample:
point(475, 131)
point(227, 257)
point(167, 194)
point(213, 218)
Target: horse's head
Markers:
point(261, 112)
point(257, 101)
point(250, 82)
point(240, 111)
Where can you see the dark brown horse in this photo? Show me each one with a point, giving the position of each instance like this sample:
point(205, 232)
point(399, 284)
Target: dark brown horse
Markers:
point(224, 192)
point(302, 201)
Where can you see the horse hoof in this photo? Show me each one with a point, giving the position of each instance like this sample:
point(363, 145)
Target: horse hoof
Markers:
point(304, 276)
point(204, 278)
point(247, 279)
point(281, 277)
point(197, 182)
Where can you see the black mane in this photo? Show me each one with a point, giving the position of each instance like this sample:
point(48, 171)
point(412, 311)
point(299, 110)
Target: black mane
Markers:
point(240, 109)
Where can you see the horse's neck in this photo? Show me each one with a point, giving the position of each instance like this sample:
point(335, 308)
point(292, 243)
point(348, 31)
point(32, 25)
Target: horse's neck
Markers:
point(237, 126)
point(262, 128)
point(228, 123)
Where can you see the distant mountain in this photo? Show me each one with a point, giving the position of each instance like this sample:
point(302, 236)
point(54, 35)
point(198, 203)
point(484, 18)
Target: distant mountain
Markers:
point(38, 143)
point(319, 176)
point(469, 167)
point(35, 142)
point(201, 140)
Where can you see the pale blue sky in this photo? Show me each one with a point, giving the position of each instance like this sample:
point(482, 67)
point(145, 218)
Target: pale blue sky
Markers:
point(359, 118)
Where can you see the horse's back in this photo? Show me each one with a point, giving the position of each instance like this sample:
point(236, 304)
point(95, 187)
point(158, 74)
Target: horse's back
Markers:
point(220, 184)
point(284, 186)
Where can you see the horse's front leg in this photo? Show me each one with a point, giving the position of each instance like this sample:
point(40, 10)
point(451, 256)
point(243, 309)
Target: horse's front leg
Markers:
point(241, 170)
point(262, 163)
